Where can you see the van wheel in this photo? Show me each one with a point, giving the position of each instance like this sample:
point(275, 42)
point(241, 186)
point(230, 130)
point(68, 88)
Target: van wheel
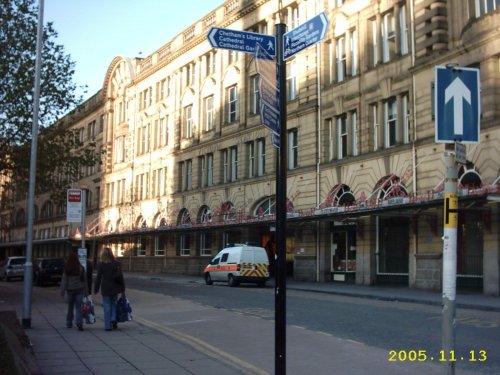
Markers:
point(208, 279)
point(231, 281)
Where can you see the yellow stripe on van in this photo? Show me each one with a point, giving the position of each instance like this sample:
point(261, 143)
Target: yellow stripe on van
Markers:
point(254, 269)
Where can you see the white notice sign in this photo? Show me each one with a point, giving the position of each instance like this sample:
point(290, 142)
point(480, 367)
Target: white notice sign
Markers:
point(74, 206)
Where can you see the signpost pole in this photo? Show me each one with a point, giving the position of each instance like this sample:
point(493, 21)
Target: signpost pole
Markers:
point(281, 174)
point(449, 258)
point(83, 251)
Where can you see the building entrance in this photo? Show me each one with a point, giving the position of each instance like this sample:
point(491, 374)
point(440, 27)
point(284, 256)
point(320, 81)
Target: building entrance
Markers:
point(343, 254)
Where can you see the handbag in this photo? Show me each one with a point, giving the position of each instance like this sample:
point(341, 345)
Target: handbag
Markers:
point(88, 310)
point(123, 309)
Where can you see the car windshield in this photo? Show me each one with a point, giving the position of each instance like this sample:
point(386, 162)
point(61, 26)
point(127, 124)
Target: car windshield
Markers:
point(51, 263)
point(17, 261)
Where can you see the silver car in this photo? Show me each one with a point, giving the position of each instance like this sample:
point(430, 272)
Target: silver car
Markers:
point(12, 267)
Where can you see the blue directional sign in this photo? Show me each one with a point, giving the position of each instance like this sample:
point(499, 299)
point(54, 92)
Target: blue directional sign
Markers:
point(305, 35)
point(243, 41)
point(270, 118)
point(457, 104)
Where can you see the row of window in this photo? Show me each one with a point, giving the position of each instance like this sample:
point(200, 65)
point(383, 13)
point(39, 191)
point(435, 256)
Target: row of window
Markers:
point(92, 129)
point(229, 163)
point(343, 133)
point(389, 127)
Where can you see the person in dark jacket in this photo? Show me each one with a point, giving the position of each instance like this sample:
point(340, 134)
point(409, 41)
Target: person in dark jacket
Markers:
point(110, 280)
point(73, 283)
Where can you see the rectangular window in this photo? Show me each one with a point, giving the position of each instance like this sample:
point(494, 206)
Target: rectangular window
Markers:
point(331, 139)
point(478, 8)
point(225, 166)
point(163, 132)
point(403, 30)
point(163, 88)
point(185, 245)
point(91, 130)
point(160, 245)
point(190, 74)
point(210, 64)
point(210, 169)
point(390, 122)
point(388, 37)
point(251, 159)
point(209, 113)
point(292, 17)
point(189, 174)
point(293, 151)
point(261, 157)
point(234, 163)
point(232, 104)
point(353, 45)
point(331, 65)
point(232, 56)
point(375, 125)
point(186, 178)
point(354, 132)
point(291, 80)
point(202, 171)
point(205, 244)
point(405, 110)
point(341, 59)
point(341, 136)
point(169, 86)
point(374, 45)
point(159, 182)
point(254, 95)
point(143, 139)
point(188, 121)
point(120, 149)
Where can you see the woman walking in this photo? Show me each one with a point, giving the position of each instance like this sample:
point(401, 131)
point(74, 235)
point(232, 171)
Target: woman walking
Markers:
point(110, 280)
point(73, 283)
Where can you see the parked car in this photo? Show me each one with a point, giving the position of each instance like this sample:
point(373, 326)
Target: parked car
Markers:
point(12, 267)
point(239, 264)
point(48, 270)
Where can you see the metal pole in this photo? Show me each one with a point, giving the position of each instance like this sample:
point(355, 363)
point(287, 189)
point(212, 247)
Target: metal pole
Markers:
point(28, 266)
point(84, 206)
point(281, 172)
point(450, 214)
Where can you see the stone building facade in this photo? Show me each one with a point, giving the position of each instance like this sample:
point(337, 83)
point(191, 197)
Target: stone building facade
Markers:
point(189, 167)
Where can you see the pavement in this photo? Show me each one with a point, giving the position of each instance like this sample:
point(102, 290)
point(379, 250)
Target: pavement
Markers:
point(165, 337)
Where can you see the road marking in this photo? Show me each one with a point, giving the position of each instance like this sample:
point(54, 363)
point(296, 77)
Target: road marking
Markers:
point(204, 347)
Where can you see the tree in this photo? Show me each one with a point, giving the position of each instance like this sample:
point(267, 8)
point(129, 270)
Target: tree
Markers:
point(18, 32)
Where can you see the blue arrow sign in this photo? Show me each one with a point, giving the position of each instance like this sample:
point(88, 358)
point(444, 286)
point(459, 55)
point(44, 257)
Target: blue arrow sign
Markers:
point(305, 35)
point(457, 103)
point(243, 41)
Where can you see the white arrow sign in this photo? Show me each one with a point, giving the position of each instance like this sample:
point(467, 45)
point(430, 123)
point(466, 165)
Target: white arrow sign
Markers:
point(458, 92)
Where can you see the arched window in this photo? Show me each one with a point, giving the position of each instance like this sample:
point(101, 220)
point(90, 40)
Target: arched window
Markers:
point(265, 207)
point(184, 217)
point(339, 195)
point(205, 215)
point(228, 211)
point(469, 177)
point(390, 187)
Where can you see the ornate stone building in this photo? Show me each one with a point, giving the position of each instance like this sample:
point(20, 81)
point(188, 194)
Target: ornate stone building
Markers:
point(189, 168)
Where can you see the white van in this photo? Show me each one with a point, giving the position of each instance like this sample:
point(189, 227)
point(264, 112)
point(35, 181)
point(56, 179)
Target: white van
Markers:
point(239, 264)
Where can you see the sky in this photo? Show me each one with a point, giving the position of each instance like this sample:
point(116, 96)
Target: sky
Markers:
point(94, 32)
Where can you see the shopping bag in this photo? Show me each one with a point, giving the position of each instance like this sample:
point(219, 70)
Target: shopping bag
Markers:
point(123, 310)
point(88, 310)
